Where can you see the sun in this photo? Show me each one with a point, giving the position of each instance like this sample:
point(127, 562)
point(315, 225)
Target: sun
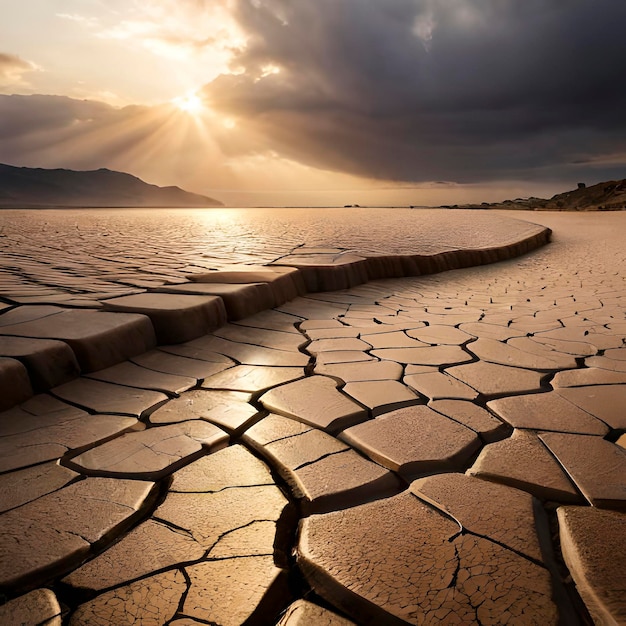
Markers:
point(191, 103)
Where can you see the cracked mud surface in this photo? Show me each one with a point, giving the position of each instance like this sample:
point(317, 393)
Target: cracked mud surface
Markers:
point(440, 449)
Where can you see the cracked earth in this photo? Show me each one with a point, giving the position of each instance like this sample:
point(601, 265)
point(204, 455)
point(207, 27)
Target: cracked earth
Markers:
point(439, 449)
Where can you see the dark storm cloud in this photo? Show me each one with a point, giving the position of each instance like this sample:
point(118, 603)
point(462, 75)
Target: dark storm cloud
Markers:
point(55, 131)
point(421, 90)
point(30, 114)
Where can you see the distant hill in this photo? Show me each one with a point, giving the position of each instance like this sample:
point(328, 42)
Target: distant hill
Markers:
point(25, 187)
point(608, 196)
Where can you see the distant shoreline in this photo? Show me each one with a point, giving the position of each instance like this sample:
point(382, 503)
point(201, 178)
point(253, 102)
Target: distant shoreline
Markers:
point(496, 206)
point(23, 188)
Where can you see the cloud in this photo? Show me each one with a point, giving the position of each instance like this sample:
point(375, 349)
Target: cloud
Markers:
point(165, 146)
point(80, 19)
point(417, 90)
point(408, 91)
point(57, 131)
point(180, 30)
point(29, 116)
point(12, 68)
point(161, 144)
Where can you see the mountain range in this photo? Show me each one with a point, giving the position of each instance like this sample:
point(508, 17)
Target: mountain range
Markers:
point(25, 187)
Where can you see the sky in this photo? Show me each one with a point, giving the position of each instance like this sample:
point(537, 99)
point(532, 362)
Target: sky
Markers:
point(320, 102)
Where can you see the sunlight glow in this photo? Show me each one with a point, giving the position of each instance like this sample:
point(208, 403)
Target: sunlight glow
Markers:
point(191, 103)
point(268, 70)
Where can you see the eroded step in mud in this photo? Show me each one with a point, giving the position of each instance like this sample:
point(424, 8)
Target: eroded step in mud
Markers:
point(176, 318)
point(48, 362)
point(285, 282)
point(98, 339)
point(15, 383)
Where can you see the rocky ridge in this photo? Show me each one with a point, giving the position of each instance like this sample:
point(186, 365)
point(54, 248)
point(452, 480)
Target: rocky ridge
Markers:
point(606, 196)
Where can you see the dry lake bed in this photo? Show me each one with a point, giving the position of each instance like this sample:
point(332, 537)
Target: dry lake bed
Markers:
point(304, 417)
